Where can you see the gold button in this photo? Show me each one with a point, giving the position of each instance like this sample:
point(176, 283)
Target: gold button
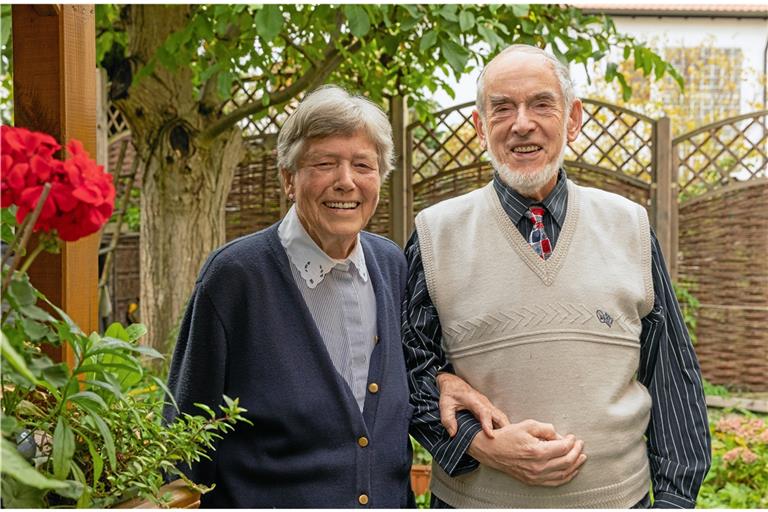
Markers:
point(363, 499)
point(373, 387)
point(375, 339)
point(363, 442)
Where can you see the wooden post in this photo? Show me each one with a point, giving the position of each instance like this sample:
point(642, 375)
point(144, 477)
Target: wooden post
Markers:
point(400, 190)
point(664, 208)
point(54, 91)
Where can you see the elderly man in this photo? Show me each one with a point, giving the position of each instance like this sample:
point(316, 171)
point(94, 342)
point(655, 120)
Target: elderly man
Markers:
point(554, 301)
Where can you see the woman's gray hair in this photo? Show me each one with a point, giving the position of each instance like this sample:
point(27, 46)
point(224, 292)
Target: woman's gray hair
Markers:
point(329, 111)
point(561, 70)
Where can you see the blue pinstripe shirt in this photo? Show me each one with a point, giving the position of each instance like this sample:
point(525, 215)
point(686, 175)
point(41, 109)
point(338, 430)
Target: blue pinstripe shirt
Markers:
point(678, 433)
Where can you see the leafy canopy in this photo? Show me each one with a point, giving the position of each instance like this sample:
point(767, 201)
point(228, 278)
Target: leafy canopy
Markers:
point(277, 52)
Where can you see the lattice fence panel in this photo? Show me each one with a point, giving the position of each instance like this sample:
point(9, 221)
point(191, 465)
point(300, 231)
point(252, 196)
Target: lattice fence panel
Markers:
point(614, 152)
point(729, 151)
point(724, 255)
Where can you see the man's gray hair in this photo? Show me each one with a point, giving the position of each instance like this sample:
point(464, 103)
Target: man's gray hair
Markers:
point(561, 71)
point(330, 111)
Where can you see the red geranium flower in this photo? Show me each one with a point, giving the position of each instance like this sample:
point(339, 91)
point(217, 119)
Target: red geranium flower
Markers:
point(82, 195)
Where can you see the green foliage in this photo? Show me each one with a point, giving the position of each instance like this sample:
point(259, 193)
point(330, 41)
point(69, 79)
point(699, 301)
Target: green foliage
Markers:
point(714, 389)
point(6, 63)
point(379, 49)
point(90, 435)
point(420, 454)
point(739, 474)
point(423, 500)
point(689, 306)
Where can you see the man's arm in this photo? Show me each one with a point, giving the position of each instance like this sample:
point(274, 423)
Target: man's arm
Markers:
point(678, 433)
point(424, 359)
point(529, 451)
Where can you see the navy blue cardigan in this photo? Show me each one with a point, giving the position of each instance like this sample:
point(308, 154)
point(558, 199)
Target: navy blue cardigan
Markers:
point(247, 333)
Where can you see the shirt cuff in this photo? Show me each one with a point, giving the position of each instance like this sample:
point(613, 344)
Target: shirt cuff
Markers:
point(459, 462)
point(670, 500)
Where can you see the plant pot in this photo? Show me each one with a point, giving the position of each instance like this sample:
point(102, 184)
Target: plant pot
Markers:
point(181, 497)
point(420, 477)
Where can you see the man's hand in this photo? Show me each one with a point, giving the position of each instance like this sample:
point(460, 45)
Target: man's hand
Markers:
point(456, 395)
point(531, 452)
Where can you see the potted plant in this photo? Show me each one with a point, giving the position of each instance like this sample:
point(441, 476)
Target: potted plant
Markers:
point(89, 435)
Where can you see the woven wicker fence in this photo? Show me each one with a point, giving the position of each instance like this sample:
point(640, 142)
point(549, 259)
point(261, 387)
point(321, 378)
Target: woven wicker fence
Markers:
point(723, 246)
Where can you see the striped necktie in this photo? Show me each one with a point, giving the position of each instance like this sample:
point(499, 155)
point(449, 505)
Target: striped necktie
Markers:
point(538, 238)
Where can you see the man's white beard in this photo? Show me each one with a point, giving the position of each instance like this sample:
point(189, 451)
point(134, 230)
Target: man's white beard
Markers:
point(530, 181)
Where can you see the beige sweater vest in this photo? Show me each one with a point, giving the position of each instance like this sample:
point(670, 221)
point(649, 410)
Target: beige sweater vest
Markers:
point(556, 341)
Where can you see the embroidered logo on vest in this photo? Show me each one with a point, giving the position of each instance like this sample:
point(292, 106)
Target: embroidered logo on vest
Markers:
point(604, 318)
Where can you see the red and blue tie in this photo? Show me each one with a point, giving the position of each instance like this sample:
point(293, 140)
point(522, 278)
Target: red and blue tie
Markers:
point(538, 238)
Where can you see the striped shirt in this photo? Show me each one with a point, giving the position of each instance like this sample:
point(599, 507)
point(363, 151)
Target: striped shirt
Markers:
point(678, 432)
point(340, 297)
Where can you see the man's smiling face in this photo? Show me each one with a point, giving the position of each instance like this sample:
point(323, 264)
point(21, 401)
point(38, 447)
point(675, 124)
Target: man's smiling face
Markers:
point(526, 124)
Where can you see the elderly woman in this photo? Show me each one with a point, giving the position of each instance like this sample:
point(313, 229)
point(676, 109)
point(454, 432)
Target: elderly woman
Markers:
point(301, 321)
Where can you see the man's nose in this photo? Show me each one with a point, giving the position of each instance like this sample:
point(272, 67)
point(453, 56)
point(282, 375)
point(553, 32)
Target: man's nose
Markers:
point(523, 122)
point(344, 177)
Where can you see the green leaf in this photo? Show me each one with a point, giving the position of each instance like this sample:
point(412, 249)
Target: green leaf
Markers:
point(359, 22)
point(224, 83)
point(90, 396)
point(7, 224)
point(466, 20)
point(520, 10)
point(269, 22)
point(428, 40)
point(457, 56)
point(21, 291)
point(448, 12)
point(116, 330)
point(5, 29)
point(109, 441)
point(34, 329)
point(165, 389)
point(36, 313)
point(98, 461)
point(15, 360)
point(135, 331)
point(63, 448)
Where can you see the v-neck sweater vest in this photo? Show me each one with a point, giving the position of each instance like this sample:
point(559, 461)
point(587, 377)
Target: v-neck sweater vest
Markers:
point(553, 340)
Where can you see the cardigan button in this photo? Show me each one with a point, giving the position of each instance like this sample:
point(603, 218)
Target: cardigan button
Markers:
point(363, 499)
point(373, 387)
point(375, 339)
point(362, 441)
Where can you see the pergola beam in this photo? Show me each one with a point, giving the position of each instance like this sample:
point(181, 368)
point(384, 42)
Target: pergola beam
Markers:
point(54, 91)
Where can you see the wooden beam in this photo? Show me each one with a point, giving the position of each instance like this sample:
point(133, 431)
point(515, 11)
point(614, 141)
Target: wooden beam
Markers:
point(665, 193)
point(400, 209)
point(54, 91)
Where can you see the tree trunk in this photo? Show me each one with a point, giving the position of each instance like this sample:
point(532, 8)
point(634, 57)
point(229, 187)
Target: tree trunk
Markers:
point(185, 182)
point(182, 221)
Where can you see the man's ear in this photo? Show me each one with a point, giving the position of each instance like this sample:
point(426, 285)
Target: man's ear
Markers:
point(286, 178)
point(479, 128)
point(574, 120)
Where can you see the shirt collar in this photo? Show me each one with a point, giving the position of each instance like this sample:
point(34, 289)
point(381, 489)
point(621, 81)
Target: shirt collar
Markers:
point(312, 262)
point(516, 204)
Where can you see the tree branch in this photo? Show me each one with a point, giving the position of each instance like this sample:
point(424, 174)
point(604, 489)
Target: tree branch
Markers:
point(311, 78)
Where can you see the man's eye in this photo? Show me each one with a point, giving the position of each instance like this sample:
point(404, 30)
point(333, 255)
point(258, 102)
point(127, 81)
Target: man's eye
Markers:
point(324, 164)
